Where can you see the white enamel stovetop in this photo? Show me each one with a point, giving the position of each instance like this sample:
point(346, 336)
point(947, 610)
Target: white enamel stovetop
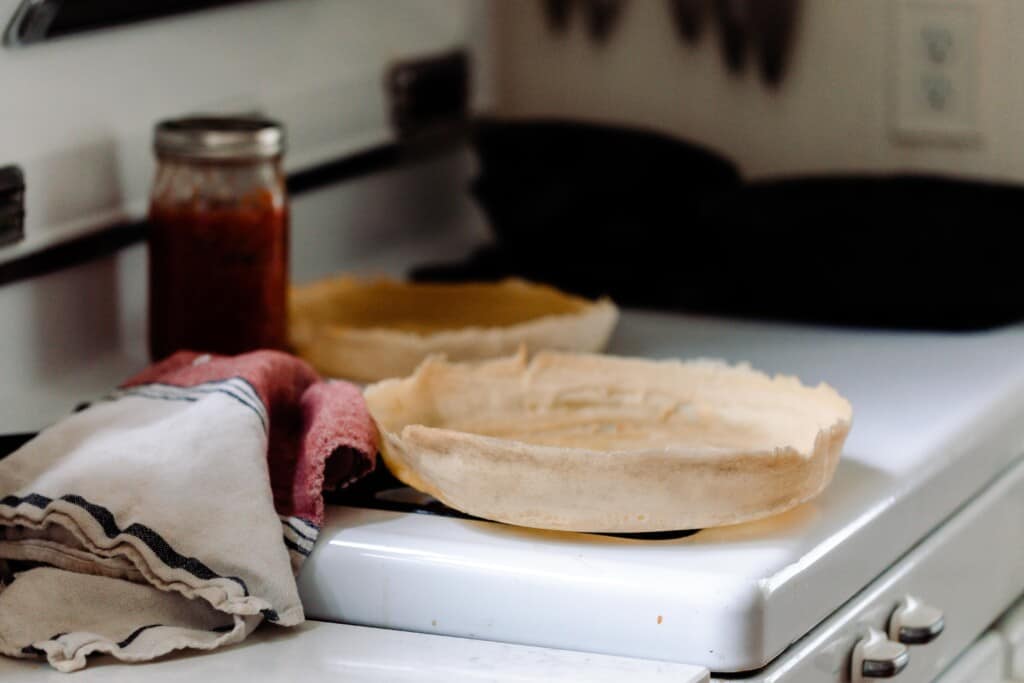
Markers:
point(936, 417)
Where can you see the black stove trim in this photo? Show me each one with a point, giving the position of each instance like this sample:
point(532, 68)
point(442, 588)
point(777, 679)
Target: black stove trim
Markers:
point(112, 239)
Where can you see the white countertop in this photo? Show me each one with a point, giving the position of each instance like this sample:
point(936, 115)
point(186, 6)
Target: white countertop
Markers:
point(319, 652)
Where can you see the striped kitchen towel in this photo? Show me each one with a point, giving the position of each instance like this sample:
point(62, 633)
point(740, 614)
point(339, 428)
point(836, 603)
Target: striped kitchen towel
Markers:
point(175, 512)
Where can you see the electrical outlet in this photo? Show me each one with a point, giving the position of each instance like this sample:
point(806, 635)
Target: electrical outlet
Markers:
point(935, 72)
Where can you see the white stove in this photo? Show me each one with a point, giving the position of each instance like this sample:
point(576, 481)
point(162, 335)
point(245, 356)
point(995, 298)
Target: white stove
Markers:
point(928, 501)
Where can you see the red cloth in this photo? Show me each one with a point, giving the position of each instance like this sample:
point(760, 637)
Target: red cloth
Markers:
point(320, 432)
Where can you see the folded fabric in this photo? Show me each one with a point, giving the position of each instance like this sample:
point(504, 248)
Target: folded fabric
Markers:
point(174, 513)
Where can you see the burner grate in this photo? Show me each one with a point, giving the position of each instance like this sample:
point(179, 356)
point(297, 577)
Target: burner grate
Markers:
point(382, 491)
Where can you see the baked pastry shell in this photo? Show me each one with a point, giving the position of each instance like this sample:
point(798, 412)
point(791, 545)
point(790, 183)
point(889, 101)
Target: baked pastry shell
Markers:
point(372, 353)
point(674, 486)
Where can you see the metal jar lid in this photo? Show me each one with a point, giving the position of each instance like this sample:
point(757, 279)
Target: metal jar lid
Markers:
point(219, 138)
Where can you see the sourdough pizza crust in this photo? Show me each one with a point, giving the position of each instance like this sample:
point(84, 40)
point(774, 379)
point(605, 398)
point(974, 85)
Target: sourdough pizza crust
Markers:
point(581, 442)
point(368, 330)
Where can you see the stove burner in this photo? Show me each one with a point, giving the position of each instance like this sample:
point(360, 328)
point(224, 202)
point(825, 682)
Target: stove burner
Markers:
point(655, 535)
point(381, 491)
point(12, 442)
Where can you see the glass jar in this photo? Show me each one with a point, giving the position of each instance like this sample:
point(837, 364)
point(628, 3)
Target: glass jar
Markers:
point(218, 245)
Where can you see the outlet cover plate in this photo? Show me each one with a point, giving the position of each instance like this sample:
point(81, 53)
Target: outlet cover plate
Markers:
point(935, 72)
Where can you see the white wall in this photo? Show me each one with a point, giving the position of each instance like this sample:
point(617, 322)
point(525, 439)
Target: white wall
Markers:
point(830, 113)
point(78, 113)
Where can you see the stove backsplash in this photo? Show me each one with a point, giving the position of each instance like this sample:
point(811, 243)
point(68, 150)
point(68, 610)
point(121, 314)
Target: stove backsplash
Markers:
point(865, 86)
point(78, 114)
point(73, 334)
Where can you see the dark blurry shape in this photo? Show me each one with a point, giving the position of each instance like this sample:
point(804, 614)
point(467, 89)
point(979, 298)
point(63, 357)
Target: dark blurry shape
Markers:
point(12, 442)
point(38, 20)
point(380, 490)
point(775, 23)
point(12, 205)
point(601, 17)
point(558, 13)
point(429, 95)
point(689, 17)
point(895, 251)
point(561, 185)
point(766, 26)
point(656, 223)
point(733, 28)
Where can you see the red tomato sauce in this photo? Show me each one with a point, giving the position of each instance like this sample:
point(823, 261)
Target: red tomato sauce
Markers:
point(218, 277)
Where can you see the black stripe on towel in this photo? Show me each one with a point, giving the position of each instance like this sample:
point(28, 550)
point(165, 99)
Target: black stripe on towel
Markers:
point(33, 499)
point(292, 545)
point(30, 650)
point(220, 386)
point(161, 548)
point(304, 534)
point(308, 523)
point(250, 399)
point(255, 394)
point(162, 397)
point(135, 634)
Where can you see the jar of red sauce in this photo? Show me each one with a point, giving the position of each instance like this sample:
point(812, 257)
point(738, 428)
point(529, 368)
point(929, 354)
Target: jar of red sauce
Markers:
point(218, 245)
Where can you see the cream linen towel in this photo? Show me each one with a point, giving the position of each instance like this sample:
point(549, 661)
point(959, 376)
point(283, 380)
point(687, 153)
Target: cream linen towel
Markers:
point(173, 513)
